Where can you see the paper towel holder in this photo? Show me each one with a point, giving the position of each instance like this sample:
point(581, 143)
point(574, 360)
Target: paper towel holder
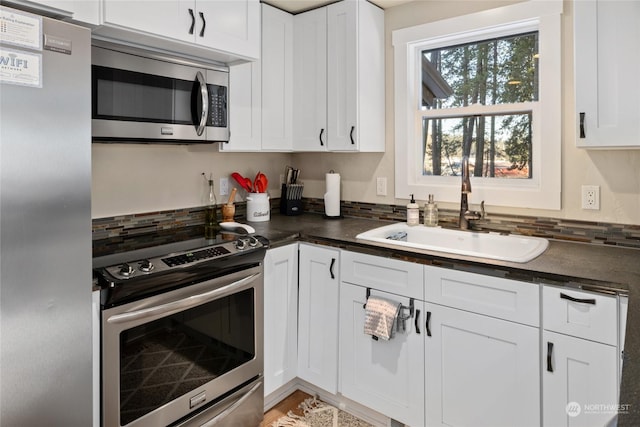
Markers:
point(324, 215)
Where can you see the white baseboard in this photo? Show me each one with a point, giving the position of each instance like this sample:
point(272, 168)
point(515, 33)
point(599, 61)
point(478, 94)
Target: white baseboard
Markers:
point(337, 400)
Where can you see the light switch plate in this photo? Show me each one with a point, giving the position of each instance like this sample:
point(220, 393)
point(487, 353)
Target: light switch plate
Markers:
point(224, 186)
point(381, 186)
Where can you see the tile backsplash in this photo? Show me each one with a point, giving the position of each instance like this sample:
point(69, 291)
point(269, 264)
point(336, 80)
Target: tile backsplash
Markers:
point(553, 228)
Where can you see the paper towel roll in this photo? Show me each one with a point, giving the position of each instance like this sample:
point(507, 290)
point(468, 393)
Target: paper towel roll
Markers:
point(332, 196)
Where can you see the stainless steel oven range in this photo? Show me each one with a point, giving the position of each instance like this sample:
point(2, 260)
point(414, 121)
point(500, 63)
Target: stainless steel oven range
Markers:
point(182, 340)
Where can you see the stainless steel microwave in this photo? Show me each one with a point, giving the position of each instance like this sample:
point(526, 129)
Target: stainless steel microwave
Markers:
point(140, 96)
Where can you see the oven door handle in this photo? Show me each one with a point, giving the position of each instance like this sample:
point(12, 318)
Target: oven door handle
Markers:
point(222, 415)
point(183, 304)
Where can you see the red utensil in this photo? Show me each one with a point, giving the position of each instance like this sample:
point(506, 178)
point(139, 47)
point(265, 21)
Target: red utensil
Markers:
point(260, 183)
point(242, 181)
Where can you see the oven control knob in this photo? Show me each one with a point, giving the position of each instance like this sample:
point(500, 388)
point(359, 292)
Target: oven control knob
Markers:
point(253, 242)
point(241, 244)
point(146, 266)
point(125, 270)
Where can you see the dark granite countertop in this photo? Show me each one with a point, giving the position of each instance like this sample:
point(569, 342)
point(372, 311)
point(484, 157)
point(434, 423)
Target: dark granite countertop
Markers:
point(588, 266)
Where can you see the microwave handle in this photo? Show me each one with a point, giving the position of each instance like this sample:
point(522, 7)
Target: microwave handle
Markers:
point(204, 94)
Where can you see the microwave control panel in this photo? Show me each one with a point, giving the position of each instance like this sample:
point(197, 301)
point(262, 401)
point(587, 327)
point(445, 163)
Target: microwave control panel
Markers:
point(217, 106)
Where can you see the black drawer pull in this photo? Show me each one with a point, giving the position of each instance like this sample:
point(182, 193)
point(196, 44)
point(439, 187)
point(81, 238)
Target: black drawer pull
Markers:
point(333, 261)
point(428, 323)
point(549, 355)
point(193, 21)
point(582, 134)
point(591, 301)
point(417, 322)
point(204, 24)
point(321, 132)
point(351, 135)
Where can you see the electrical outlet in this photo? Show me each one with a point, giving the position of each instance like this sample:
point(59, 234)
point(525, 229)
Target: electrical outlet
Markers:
point(224, 186)
point(381, 186)
point(591, 197)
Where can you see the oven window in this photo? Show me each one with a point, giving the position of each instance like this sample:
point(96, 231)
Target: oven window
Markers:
point(132, 96)
point(162, 360)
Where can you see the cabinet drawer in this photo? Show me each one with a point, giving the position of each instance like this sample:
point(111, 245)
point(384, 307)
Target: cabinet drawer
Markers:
point(581, 314)
point(492, 296)
point(388, 275)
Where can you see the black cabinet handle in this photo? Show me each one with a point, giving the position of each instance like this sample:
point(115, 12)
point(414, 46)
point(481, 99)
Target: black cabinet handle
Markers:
point(417, 321)
point(591, 301)
point(204, 24)
point(193, 21)
point(333, 261)
point(549, 355)
point(428, 323)
point(582, 134)
point(321, 132)
point(351, 134)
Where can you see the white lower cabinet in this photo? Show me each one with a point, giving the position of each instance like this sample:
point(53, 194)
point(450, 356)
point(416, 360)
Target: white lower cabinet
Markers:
point(581, 346)
point(387, 376)
point(280, 316)
point(480, 371)
point(580, 381)
point(318, 316)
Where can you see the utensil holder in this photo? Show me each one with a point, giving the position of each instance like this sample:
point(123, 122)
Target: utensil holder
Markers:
point(291, 199)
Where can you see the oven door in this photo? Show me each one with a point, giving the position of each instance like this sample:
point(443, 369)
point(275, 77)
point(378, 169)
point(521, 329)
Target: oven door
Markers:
point(173, 355)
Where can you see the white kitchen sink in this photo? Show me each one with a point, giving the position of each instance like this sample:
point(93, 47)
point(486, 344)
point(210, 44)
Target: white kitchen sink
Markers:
point(484, 245)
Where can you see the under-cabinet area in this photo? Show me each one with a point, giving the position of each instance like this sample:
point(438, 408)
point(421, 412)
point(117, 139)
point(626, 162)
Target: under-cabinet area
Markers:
point(467, 347)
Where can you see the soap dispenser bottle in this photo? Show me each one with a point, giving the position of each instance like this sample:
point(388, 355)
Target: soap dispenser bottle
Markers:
point(413, 212)
point(430, 213)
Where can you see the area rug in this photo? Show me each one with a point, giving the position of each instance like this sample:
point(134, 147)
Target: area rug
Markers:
point(319, 414)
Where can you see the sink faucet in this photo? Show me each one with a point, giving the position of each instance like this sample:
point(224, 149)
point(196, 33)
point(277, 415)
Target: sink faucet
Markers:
point(465, 214)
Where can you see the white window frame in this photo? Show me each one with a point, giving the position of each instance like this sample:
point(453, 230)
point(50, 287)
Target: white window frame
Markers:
point(543, 191)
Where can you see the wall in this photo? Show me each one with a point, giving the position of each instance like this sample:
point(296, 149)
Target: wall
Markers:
point(616, 172)
point(131, 179)
point(138, 178)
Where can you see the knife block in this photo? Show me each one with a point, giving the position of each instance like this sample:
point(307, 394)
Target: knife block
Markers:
point(291, 199)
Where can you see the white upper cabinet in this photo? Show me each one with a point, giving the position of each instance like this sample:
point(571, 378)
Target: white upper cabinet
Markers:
point(310, 81)
point(339, 78)
point(277, 75)
point(230, 25)
point(355, 76)
point(261, 115)
point(230, 28)
point(607, 65)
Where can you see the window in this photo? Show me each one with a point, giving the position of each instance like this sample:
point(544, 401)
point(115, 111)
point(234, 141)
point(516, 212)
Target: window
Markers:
point(484, 86)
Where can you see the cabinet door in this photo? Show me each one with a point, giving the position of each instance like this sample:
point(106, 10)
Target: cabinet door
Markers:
point(277, 71)
point(607, 60)
point(385, 375)
point(171, 18)
point(480, 371)
point(280, 316)
point(342, 82)
point(310, 81)
point(244, 108)
point(318, 316)
point(229, 25)
point(579, 380)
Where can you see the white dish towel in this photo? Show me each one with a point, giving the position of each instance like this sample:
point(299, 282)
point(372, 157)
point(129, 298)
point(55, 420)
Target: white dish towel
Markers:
point(380, 316)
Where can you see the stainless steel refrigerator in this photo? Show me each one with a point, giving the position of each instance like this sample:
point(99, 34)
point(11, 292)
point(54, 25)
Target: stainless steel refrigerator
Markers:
point(45, 222)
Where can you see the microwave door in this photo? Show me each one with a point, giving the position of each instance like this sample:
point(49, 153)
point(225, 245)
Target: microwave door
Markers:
point(141, 107)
